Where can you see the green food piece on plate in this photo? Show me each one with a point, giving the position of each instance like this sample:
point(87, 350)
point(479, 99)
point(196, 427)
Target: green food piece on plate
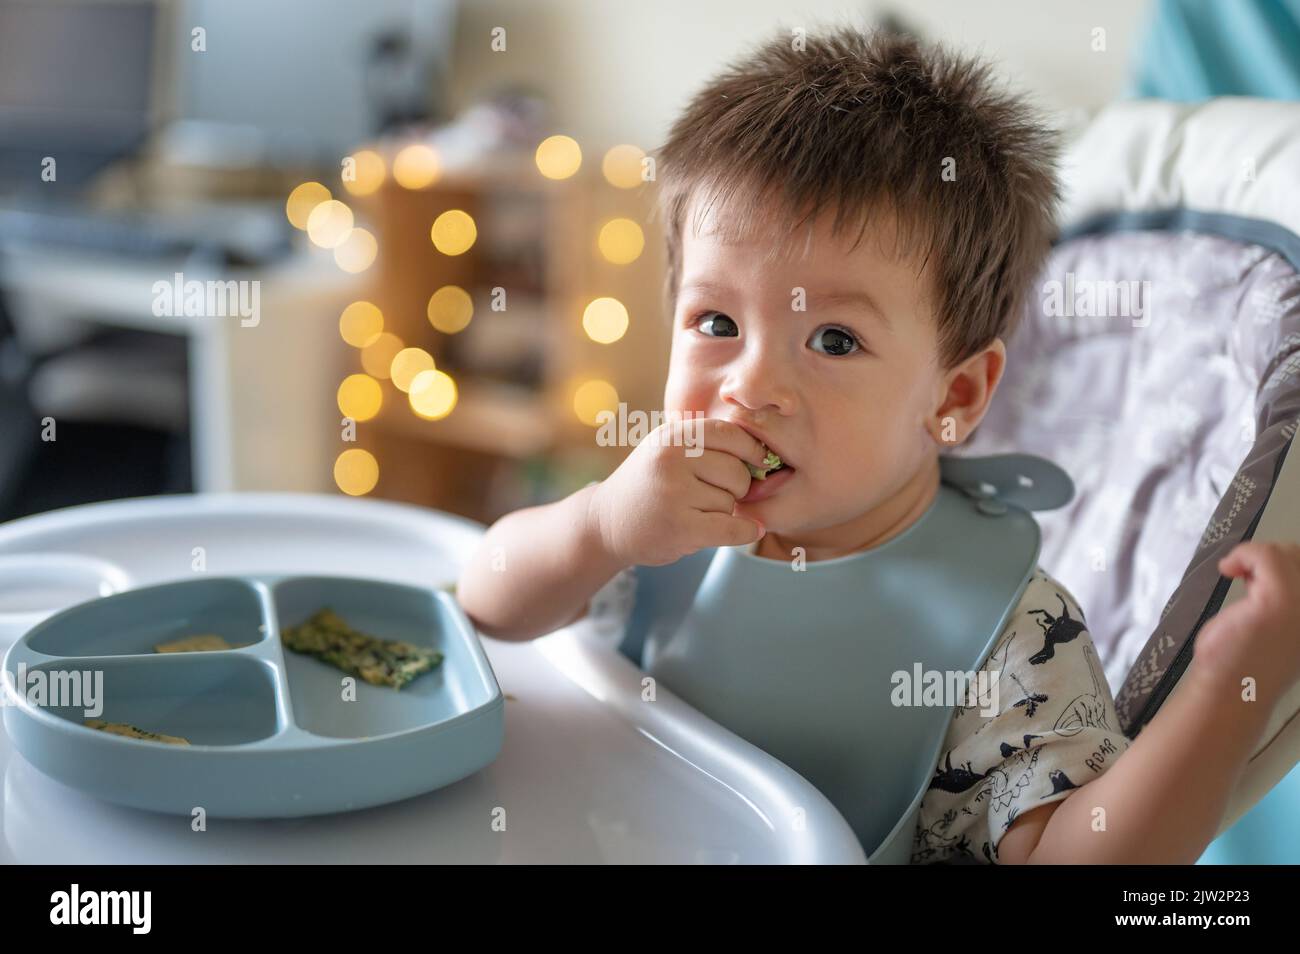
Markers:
point(380, 662)
point(132, 732)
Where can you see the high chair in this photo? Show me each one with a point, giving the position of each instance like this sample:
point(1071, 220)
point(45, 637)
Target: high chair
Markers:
point(1157, 364)
point(1193, 208)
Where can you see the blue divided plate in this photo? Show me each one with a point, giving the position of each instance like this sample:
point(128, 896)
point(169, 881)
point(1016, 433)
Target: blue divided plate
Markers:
point(271, 732)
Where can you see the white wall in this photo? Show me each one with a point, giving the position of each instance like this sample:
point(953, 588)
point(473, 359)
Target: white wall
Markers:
point(619, 70)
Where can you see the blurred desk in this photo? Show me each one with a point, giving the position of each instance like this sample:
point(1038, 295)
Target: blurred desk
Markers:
point(263, 414)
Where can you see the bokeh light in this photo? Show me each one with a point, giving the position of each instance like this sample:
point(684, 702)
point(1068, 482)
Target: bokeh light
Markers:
point(450, 309)
point(356, 472)
point(591, 398)
point(407, 363)
point(302, 201)
point(360, 397)
point(433, 395)
point(453, 232)
point(357, 252)
point(621, 241)
point(622, 166)
point(361, 323)
point(329, 223)
point(377, 357)
point(370, 171)
point(416, 166)
point(558, 157)
point(605, 320)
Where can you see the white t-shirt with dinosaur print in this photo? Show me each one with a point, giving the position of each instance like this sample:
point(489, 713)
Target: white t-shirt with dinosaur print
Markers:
point(1054, 731)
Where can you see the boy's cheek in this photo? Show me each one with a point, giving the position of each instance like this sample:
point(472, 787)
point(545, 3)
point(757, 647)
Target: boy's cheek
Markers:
point(681, 399)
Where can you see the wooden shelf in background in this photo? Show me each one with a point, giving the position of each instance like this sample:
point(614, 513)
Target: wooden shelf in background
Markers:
point(490, 418)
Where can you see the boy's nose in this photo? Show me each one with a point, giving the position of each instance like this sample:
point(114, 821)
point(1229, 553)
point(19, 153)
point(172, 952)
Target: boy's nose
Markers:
point(758, 384)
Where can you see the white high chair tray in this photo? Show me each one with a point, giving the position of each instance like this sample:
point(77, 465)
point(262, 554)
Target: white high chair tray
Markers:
point(589, 773)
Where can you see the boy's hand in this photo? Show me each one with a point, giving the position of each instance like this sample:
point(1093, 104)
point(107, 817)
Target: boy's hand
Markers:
point(662, 504)
point(1259, 635)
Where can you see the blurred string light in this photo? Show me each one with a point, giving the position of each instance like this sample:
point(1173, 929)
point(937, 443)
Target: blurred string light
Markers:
point(302, 201)
point(356, 252)
point(361, 323)
point(622, 166)
point(621, 241)
point(377, 357)
point(558, 157)
point(329, 223)
point(605, 320)
point(356, 472)
point(453, 232)
point(592, 397)
point(407, 363)
point(416, 166)
point(450, 309)
point(433, 394)
point(369, 173)
point(360, 397)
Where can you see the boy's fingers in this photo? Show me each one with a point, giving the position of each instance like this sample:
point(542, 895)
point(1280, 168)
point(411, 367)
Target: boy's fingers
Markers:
point(710, 499)
point(688, 433)
point(1262, 565)
point(725, 471)
point(724, 530)
point(1228, 621)
point(734, 439)
point(1249, 558)
point(1244, 558)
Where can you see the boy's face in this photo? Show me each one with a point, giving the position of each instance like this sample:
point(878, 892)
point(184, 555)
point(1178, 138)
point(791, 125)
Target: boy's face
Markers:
point(842, 390)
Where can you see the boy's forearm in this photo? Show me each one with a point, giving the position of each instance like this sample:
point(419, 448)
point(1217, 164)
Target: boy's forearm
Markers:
point(1165, 797)
point(536, 569)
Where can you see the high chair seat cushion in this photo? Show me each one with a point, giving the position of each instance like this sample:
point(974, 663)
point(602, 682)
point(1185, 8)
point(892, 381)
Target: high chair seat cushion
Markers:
point(1158, 362)
point(1229, 163)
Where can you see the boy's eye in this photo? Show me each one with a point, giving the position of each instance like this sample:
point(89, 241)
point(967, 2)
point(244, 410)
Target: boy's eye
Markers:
point(718, 327)
point(833, 341)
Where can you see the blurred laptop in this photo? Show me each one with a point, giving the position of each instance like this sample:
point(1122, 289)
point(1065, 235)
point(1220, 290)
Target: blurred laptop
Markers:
point(283, 85)
point(226, 83)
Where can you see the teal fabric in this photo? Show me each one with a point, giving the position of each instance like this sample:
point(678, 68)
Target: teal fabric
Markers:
point(1196, 49)
point(1268, 834)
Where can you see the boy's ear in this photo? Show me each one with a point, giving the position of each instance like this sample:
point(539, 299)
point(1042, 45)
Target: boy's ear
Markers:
point(965, 393)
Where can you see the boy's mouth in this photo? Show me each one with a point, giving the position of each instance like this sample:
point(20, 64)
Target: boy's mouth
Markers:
point(760, 488)
point(771, 464)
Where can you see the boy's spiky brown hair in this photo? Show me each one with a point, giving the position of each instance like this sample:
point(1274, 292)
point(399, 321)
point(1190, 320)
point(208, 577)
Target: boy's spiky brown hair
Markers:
point(866, 123)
